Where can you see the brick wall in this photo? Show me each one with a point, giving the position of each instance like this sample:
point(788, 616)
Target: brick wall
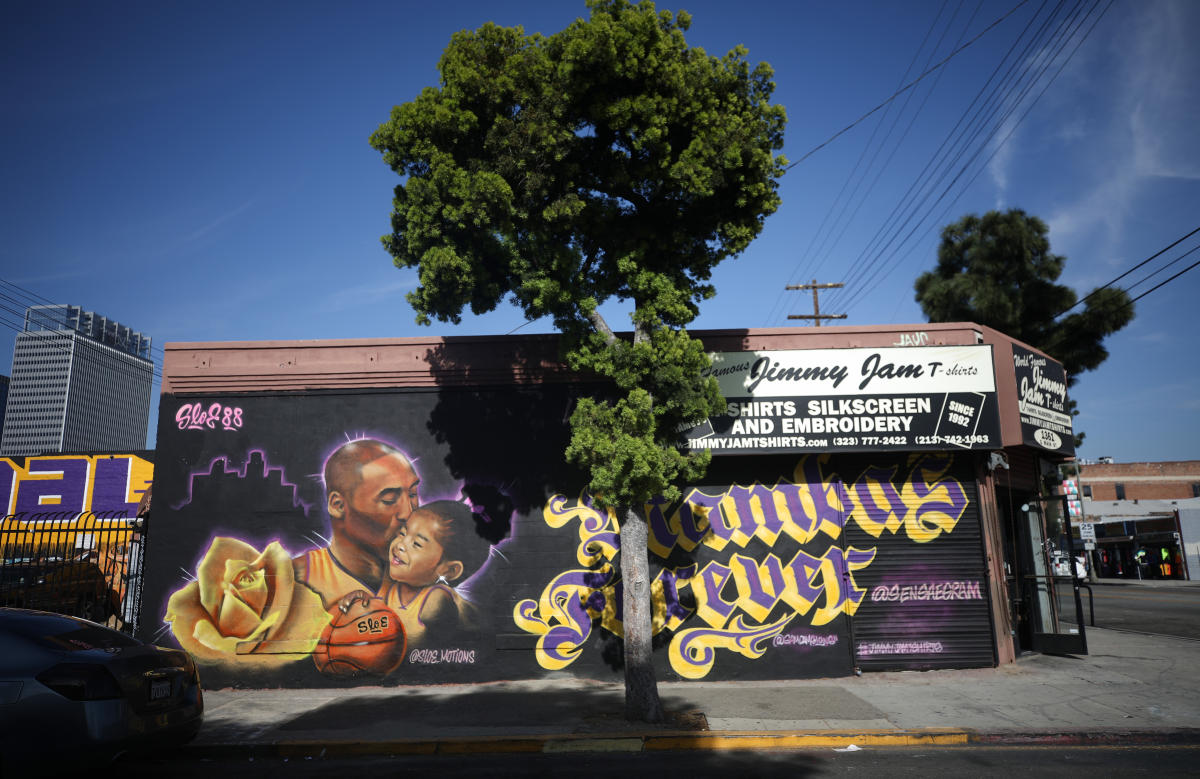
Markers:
point(1143, 481)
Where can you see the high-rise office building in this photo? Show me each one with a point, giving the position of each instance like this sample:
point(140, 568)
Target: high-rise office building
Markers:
point(3, 399)
point(80, 382)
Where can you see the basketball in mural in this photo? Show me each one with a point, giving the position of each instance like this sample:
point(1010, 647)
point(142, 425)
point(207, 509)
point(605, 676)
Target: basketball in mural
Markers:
point(364, 637)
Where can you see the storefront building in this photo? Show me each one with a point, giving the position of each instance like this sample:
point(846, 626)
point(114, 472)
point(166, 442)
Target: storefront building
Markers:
point(399, 511)
point(1143, 539)
point(1135, 515)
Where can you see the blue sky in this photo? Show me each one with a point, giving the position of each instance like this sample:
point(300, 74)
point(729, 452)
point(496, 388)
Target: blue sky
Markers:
point(201, 171)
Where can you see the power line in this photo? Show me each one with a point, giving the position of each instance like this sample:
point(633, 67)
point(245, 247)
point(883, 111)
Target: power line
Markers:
point(891, 156)
point(47, 338)
point(879, 278)
point(1167, 281)
point(129, 370)
point(950, 151)
point(969, 138)
point(1129, 303)
point(28, 299)
point(44, 338)
point(813, 263)
point(906, 87)
point(1154, 273)
point(29, 293)
point(1158, 253)
point(880, 274)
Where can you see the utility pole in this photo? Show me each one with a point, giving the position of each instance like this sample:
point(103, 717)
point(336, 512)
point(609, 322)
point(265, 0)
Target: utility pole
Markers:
point(816, 315)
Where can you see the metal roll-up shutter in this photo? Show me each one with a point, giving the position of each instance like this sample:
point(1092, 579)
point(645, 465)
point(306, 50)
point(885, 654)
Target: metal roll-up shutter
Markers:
point(925, 600)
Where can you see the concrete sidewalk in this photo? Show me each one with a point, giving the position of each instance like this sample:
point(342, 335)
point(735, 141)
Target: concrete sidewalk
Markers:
point(1131, 688)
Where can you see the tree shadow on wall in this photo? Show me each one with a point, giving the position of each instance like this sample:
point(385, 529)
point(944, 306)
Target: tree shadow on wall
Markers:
point(503, 412)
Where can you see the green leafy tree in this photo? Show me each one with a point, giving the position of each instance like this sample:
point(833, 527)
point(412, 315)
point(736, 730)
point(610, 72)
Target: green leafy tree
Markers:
point(608, 161)
point(998, 270)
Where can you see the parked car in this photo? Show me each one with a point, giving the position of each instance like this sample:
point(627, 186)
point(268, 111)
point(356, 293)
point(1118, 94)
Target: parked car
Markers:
point(72, 690)
point(78, 587)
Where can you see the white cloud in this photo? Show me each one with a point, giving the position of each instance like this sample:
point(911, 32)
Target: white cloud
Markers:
point(1101, 210)
point(200, 232)
point(1155, 337)
point(370, 294)
point(1160, 78)
point(998, 167)
point(1072, 130)
point(1128, 116)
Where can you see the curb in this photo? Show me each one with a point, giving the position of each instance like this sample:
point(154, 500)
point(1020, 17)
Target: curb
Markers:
point(687, 740)
point(631, 742)
point(1171, 737)
point(558, 744)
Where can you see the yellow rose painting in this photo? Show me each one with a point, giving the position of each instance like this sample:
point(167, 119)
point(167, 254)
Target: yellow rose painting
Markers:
point(246, 606)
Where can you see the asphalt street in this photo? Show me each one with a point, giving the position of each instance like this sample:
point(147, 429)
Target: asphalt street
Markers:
point(1131, 706)
point(1160, 611)
point(974, 761)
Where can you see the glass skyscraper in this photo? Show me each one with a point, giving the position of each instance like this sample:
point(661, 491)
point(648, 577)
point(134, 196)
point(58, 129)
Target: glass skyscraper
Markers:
point(80, 382)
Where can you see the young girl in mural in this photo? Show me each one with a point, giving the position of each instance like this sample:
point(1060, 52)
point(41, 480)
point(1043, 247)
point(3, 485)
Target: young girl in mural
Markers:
point(437, 546)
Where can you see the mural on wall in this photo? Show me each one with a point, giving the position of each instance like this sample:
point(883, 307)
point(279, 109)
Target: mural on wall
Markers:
point(388, 579)
point(739, 603)
point(294, 547)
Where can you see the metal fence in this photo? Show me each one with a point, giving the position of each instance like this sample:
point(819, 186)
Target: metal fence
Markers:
point(87, 565)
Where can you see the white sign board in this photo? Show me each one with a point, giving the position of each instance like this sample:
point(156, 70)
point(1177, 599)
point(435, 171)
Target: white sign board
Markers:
point(860, 399)
point(1087, 531)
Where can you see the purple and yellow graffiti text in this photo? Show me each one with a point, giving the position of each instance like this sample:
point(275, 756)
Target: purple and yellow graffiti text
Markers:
point(106, 485)
point(744, 603)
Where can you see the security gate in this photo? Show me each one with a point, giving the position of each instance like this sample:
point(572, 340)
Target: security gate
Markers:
point(83, 565)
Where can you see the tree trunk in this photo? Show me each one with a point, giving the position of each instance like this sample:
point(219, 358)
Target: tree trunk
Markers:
point(641, 685)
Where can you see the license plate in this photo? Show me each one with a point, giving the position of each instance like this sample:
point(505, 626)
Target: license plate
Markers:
point(160, 689)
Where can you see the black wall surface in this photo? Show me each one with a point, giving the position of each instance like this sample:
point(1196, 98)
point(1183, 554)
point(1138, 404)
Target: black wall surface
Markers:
point(774, 568)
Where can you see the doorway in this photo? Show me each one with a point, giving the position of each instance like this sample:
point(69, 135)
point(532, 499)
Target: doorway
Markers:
point(1032, 580)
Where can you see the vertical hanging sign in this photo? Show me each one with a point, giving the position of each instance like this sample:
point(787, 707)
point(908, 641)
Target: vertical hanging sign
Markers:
point(1042, 402)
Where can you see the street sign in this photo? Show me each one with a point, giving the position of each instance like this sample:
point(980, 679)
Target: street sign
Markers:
point(1087, 531)
point(1089, 545)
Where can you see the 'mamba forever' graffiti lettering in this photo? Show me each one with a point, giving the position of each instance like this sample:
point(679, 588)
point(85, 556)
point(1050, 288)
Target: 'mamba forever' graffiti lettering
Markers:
point(923, 504)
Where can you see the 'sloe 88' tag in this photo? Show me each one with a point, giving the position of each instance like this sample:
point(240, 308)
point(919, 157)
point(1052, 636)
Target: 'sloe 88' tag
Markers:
point(194, 416)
